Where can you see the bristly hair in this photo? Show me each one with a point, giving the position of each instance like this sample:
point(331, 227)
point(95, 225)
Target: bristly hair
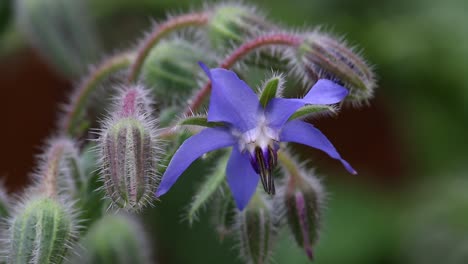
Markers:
point(242, 236)
point(21, 202)
point(143, 115)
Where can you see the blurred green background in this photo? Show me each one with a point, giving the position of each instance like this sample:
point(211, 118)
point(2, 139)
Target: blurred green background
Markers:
point(409, 204)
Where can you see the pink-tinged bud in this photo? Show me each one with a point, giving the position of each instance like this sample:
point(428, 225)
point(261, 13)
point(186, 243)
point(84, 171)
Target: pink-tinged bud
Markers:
point(129, 151)
point(323, 56)
point(303, 199)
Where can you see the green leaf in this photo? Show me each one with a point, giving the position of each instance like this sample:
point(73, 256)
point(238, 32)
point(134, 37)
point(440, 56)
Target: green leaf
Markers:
point(198, 121)
point(312, 109)
point(208, 188)
point(269, 90)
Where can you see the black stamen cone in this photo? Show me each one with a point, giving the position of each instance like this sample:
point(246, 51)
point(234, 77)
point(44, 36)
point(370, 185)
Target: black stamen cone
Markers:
point(264, 169)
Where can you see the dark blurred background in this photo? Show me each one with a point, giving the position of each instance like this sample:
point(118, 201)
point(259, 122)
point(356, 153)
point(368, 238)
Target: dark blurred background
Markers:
point(409, 203)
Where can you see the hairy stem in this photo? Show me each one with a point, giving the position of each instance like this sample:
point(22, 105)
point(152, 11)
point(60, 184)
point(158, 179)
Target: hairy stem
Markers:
point(174, 23)
point(51, 170)
point(283, 39)
point(79, 100)
point(288, 163)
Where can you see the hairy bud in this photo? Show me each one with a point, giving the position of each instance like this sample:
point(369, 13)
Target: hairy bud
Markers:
point(61, 31)
point(322, 56)
point(232, 23)
point(223, 213)
point(40, 231)
point(303, 200)
point(171, 69)
point(114, 239)
point(257, 230)
point(129, 151)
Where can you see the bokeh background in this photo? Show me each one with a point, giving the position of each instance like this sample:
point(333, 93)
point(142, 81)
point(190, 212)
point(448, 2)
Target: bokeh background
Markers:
point(409, 203)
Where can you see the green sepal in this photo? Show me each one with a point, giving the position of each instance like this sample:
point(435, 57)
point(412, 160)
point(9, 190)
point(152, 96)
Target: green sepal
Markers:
point(270, 90)
point(198, 121)
point(208, 188)
point(312, 109)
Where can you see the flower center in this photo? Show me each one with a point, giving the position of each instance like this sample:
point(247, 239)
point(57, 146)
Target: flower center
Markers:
point(262, 145)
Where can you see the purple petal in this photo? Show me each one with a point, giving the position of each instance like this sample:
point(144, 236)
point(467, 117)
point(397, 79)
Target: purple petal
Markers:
point(241, 178)
point(325, 92)
point(278, 111)
point(304, 133)
point(232, 100)
point(207, 140)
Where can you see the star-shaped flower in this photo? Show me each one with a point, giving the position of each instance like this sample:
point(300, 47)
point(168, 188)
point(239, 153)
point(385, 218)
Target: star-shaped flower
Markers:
point(254, 133)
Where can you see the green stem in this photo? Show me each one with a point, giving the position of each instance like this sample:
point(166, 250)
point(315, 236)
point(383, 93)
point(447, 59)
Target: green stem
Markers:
point(73, 116)
point(161, 30)
point(288, 163)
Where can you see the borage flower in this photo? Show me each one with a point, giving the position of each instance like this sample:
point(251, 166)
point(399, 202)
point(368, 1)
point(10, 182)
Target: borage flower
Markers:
point(254, 133)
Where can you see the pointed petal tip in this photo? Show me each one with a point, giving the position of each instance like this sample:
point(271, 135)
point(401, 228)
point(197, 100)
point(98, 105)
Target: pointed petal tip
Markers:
point(205, 68)
point(160, 192)
point(310, 253)
point(348, 167)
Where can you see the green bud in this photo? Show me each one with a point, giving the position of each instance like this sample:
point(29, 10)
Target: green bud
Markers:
point(114, 239)
point(322, 56)
point(303, 202)
point(171, 69)
point(61, 31)
point(233, 23)
point(40, 231)
point(257, 231)
point(223, 213)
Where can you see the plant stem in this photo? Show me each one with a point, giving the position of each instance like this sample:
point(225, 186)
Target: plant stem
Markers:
point(88, 85)
point(284, 39)
point(288, 163)
point(194, 19)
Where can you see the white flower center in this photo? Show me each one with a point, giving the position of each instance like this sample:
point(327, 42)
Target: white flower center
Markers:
point(261, 136)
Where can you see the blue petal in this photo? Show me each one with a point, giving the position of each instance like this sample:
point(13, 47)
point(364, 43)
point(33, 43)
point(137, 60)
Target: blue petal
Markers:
point(232, 100)
point(304, 133)
point(207, 140)
point(278, 111)
point(325, 92)
point(241, 178)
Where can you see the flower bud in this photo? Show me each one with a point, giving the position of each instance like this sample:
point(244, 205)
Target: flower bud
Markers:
point(303, 201)
point(233, 23)
point(322, 56)
point(171, 69)
point(128, 151)
point(61, 31)
point(223, 213)
point(114, 239)
point(257, 230)
point(40, 231)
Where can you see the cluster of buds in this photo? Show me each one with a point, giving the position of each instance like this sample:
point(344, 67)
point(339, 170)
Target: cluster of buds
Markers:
point(255, 126)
